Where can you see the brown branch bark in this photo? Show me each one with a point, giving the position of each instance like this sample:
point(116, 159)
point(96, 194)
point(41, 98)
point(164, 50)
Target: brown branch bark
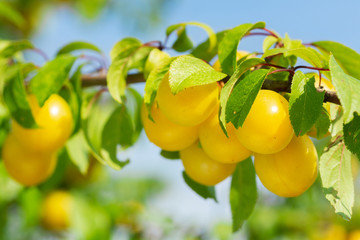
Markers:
point(279, 86)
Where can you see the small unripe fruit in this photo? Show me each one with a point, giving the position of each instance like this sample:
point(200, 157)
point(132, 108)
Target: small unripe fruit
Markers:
point(56, 210)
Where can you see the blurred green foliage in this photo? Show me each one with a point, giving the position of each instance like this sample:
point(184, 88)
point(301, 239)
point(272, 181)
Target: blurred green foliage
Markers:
point(20, 18)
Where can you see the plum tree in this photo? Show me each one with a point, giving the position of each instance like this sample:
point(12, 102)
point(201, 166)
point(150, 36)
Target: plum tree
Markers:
point(218, 117)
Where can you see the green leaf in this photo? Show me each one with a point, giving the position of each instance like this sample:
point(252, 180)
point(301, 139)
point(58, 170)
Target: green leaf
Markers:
point(229, 44)
point(116, 78)
point(268, 42)
point(126, 55)
point(95, 116)
point(348, 89)
point(10, 189)
point(243, 96)
point(209, 31)
point(291, 44)
point(170, 155)
point(304, 53)
point(337, 181)
point(9, 48)
point(98, 226)
point(78, 151)
point(124, 47)
point(107, 125)
point(345, 56)
point(352, 135)
point(322, 123)
point(305, 103)
point(124, 125)
point(57, 178)
point(73, 46)
point(9, 72)
point(154, 80)
point(76, 97)
point(51, 77)
point(202, 190)
point(138, 60)
point(203, 50)
point(243, 193)
point(337, 120)
point(154, 60)
point(183, 43)
point(15, 98)
point(229, 85)
point(187, 71)
point(10, 14)
point(31, 203)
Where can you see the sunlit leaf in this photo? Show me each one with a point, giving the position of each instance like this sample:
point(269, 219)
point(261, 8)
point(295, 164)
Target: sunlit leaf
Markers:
point(187, 71)
point(305, 103)
point(227, 89)
point(243, 96)
point(348, 59)
point(229, 44)
point(51, 77)
point(243, 193)
point(202, 190)
point(73, 46)
point(337, 181)
point(347, 88)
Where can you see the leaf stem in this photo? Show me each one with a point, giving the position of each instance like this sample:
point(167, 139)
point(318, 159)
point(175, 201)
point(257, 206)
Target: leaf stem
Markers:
point(270, 32)
point(257, 34)
point(282, 70)
point(156, 44)
point(312, 68)
point(101, 61)
point(41, 53)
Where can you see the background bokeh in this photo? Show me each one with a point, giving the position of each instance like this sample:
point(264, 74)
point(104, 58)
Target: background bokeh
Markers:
point(173, 211)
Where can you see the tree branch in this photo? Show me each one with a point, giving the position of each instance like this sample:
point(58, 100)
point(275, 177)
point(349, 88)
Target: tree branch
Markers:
point(278, 86)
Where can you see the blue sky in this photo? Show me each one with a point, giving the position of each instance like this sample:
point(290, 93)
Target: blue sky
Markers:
point(306, 20)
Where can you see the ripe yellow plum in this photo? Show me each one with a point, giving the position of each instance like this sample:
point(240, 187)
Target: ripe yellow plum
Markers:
point(219, 147)
point(56, 210)
point(203, 169)
point(166, 134)
point(290, 172)
point(267, 128)
point(55, 123)
point(26, 167)
point(189, 107)
point(354, 235)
